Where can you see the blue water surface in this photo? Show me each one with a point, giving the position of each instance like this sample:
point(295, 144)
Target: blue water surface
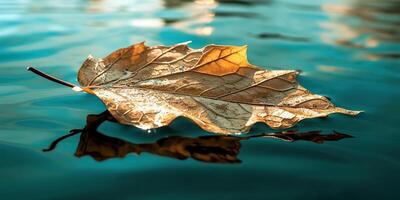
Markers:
point(348, 50)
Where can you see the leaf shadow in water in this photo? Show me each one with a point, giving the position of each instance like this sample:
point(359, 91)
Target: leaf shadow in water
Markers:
point(211, 149)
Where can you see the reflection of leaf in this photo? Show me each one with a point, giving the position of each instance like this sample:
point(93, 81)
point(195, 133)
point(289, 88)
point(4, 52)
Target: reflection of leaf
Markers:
point(215, 149)
point(208, 149)
point(215, 87)
point(312, 136)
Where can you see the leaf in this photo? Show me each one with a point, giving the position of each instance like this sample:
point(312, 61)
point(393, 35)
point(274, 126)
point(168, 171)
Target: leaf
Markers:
point(215, 87)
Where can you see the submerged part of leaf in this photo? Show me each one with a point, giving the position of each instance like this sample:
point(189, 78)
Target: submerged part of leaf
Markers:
point(215, 87)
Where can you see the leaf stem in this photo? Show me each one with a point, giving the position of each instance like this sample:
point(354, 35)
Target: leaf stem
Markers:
point(51, 78)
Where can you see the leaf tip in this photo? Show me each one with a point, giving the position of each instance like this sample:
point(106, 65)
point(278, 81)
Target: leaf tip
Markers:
point(350, 112)
point(358, 112)
point(355, 112)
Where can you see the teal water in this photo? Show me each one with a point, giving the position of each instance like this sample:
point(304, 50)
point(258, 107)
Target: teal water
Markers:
point(348, 50)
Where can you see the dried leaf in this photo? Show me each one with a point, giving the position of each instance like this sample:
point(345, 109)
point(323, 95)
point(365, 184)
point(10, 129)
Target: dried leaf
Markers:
point(215, 87)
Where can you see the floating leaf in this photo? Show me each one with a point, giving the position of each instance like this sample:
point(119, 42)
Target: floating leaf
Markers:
point(215, 87)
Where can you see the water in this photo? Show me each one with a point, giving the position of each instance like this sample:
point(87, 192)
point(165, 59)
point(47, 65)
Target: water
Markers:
point(348, 50)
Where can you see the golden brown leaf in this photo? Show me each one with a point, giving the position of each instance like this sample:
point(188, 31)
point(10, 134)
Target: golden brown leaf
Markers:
point(215, 87)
